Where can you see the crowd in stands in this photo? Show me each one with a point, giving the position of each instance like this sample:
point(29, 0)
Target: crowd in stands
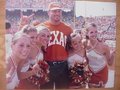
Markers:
point(14, 17)
point(106, 24)
point(38, 4)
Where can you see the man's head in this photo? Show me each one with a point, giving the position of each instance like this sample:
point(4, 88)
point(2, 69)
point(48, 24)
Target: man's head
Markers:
point(54, 6)
point(8, 27)
point(55, 12)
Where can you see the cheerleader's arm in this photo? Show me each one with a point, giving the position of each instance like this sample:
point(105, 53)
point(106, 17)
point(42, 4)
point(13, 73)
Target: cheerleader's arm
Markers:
point(27, 74)
point(9, 75)
point(10, 70)
point(108, 55)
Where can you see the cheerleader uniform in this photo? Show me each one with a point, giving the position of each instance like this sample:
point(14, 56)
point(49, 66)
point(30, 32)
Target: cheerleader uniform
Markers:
point(14, 78)
point(98, 67)
point(76, 73)
point(73, 59)
point(25, 83)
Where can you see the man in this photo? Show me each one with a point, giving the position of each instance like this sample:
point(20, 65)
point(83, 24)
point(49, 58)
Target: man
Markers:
point(8, 38)
point(56, 55)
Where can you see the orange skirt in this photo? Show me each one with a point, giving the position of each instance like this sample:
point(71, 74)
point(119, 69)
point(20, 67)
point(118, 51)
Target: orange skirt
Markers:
point(101, 76)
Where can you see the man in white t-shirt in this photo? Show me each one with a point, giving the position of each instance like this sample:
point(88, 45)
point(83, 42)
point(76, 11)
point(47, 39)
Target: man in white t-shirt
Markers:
point(8, 38)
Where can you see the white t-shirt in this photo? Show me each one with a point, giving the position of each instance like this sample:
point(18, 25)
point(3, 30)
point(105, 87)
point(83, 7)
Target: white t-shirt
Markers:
point(8, 41)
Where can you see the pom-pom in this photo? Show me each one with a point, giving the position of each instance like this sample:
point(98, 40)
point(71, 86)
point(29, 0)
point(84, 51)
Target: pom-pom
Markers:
point(41, 77)
point(79, 75)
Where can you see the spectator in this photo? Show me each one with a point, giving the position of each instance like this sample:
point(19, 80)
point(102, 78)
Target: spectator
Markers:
point(8, 38)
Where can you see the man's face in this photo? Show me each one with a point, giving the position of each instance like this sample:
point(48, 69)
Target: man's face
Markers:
point(55, 15)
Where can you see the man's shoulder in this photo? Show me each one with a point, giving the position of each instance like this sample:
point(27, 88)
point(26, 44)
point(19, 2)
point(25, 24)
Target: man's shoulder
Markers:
point(66, 26)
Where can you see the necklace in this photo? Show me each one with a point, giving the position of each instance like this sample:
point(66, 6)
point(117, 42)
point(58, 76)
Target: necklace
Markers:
point(93, 46)
point(79, 51)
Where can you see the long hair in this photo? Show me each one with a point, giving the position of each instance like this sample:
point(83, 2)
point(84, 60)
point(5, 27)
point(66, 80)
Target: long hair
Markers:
point(69, 41)
point(28, 28)
point(69, 44)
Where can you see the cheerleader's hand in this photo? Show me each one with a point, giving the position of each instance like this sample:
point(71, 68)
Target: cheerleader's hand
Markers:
point(112, 58)
point(36, 68)
point(9, 75)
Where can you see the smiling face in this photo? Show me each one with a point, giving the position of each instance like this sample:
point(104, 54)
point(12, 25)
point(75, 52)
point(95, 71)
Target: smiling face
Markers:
point(55, 15)
point(43, 37)
point(21, 47)
point(76, 41)
point(92, 33)
point(30, 31)
point(33, 36)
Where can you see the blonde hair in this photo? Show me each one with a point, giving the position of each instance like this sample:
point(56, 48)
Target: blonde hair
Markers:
point(85, 30)
point(28, 28)
point(41, 28)
point(88, 25)
point(18, 35)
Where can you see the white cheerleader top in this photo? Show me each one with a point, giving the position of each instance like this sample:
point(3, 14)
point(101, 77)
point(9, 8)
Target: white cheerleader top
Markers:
point(14, 79)
point(39, 57)
point(75, 58)
point(97, 61)
point(25, 67)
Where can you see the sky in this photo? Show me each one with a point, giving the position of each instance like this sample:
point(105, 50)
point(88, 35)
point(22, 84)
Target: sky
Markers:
point(90, 8)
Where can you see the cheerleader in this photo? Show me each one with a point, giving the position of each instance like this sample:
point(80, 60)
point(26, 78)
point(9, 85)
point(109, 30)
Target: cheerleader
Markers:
point(21, 46)
point(98, 54)
point(77, 63)
point(39, 37)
